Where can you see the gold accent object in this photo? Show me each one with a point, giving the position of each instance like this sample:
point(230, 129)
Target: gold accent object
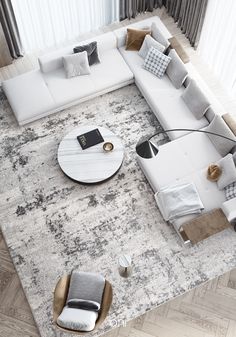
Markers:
point(108, 147)
point(213, 172)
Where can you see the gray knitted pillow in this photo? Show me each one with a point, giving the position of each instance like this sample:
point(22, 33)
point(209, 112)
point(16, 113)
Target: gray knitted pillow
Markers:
point(195, 100)
point(176, 70)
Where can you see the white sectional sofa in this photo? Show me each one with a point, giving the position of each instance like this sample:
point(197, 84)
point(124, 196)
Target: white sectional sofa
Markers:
point(38, 93)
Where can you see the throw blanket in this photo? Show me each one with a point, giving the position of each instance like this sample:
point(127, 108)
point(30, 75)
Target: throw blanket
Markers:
point(179, 200)
point(86, 289)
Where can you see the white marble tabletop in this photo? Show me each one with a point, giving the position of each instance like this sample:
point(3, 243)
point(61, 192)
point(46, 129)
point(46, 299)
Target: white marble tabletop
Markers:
point(91, 165)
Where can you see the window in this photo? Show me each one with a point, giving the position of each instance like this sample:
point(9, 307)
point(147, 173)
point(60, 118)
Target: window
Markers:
point(44, 23)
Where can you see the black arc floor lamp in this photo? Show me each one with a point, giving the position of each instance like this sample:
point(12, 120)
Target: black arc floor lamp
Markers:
point(147, 149)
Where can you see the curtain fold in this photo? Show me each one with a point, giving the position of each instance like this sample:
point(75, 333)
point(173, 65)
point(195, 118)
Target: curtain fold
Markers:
point(217, 45)
point(189, 15)
point(10, 28)
point(130, 8)
point(47, 23)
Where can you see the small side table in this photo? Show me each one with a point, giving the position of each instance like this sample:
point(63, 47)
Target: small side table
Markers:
point(174, 44)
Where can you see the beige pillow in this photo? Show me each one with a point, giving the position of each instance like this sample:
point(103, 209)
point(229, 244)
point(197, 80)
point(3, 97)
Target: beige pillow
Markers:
point(135, 37)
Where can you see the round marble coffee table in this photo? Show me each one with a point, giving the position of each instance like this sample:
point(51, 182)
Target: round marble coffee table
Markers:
point(92, 165)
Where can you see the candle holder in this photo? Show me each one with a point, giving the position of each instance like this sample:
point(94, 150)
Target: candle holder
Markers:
point(108, 147)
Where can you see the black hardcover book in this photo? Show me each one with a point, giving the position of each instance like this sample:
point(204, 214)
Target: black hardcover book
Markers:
point(90, 138)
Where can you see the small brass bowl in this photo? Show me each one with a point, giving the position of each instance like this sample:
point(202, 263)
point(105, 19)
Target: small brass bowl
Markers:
point(108, 147)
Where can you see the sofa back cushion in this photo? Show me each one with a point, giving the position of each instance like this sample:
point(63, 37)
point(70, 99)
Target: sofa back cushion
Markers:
point(159, 36)
point(176, 70)
point(222, 145)
point(51, 62)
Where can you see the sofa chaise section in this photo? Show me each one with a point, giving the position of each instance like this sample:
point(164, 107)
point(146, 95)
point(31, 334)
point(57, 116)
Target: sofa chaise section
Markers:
point(42, 92)
point(185, 160)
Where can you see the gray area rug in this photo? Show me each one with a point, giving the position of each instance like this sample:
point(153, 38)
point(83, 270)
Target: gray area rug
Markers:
point(53, 225)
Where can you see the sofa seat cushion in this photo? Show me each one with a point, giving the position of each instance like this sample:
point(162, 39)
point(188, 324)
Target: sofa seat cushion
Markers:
point(77, 319)
point(110, 72)
point(182, 157)
point(171, 110)
point(28, 95)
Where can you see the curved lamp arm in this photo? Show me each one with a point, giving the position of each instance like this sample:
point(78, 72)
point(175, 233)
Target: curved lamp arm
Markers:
point(194, 130)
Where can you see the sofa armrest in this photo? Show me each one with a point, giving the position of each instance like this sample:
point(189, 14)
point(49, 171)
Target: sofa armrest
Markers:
point(229, 209)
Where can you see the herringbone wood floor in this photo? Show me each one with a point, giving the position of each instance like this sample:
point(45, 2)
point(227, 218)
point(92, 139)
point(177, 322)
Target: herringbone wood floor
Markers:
point(209, 310)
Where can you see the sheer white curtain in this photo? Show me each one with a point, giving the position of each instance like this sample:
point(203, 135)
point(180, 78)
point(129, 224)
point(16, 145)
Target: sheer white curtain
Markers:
point(218, 41)
point(45, 23)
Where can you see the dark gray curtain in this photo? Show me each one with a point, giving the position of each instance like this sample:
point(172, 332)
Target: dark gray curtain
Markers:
point(10, 29)
point(189, 14)
point(130, 8)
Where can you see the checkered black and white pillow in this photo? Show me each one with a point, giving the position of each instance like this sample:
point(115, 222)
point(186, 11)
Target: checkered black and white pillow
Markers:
point(230, 191)
point(156, 62)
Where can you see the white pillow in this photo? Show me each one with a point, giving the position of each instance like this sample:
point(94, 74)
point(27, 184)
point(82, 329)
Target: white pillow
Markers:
point(156, 62)
point(147, 44)
point(228, 175)
point(158, 35)
point(76, 64)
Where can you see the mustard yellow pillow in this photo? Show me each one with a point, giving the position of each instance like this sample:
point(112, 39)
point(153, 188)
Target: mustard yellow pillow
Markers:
point(135, 37)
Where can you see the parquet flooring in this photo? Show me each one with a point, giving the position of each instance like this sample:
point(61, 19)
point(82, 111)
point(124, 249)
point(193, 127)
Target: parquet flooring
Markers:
point(209, 310)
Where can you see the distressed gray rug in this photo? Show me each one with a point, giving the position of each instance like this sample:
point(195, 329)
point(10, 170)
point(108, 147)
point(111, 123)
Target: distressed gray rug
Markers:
point(53, 225)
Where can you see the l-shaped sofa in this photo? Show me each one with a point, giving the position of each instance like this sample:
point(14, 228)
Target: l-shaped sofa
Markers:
point(46, 90)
